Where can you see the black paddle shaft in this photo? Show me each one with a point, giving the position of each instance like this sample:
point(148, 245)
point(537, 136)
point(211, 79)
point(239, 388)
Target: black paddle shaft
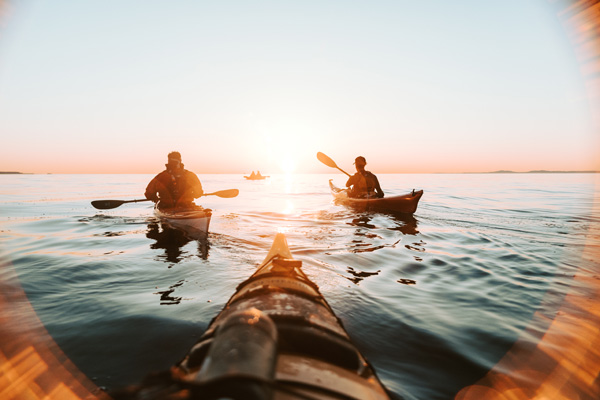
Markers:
point(110, 204)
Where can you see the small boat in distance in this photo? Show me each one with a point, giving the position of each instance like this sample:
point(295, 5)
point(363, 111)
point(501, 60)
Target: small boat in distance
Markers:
point(406, 203)
point(256, 177)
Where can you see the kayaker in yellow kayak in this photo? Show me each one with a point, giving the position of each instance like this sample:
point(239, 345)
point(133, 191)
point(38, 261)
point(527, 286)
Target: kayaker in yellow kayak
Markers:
point(363, 183)
point(175, 187)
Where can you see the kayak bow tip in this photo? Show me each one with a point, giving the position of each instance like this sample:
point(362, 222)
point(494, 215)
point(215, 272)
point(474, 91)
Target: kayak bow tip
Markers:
point(279, 248)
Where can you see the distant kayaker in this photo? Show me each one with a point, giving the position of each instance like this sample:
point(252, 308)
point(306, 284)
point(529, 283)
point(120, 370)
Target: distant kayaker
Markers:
point(175, 187)
point(252, 175)
point(363, 183)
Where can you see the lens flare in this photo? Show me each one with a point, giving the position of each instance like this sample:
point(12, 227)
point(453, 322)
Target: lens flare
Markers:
point(288, 165)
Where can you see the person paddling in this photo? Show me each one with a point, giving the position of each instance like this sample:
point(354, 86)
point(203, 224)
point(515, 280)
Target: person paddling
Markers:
point(363, 184)
point(175, 187)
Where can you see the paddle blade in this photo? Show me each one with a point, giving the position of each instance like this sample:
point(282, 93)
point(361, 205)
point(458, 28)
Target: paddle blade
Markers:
point(226, 194)
point(107, 204)
point(326, 160)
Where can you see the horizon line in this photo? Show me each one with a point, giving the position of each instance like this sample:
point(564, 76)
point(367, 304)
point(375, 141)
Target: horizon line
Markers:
point(307, 173)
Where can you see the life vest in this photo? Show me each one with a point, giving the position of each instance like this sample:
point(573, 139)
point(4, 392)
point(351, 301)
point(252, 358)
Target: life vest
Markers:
point(363, 185)
point(177, 189)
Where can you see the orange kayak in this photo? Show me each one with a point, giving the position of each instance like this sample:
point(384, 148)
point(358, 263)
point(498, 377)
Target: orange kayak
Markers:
point(406, 203)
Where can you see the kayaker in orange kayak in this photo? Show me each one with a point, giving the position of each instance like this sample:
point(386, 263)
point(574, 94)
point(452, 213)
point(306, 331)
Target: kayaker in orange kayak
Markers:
point(175, 187)
point(363, 183)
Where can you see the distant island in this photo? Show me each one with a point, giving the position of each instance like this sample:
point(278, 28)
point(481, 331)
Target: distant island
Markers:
point(10, 172)
point(541, 171)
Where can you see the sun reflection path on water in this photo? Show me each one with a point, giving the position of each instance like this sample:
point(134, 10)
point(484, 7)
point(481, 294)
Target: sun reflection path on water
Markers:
point(288, 188)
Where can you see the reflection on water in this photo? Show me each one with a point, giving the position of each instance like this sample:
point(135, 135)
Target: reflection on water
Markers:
point(436, 300)
point(406, 224)
point(289, 207)
point(358, 276)
point(365, 224)
point(172, 241)
point(417, 246)
point(407, 281)
point(165, 295)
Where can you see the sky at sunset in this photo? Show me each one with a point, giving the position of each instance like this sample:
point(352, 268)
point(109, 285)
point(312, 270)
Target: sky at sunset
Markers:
point(414, 86)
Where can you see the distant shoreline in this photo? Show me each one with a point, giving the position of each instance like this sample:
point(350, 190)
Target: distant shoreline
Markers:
point(318, 173)
point(542, 171)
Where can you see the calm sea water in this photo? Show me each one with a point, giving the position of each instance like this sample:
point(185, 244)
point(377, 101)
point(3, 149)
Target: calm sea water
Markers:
point(434, 301)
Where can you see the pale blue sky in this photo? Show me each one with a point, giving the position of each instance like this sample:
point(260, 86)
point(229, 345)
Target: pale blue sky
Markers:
point(414, 86)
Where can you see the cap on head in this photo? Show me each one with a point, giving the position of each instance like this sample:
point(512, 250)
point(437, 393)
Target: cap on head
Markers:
point(174, 155)
point(360, 160)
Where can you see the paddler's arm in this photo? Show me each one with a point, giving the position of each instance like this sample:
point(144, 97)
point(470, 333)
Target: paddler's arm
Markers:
point(378, 190)
point(151, 190)
point(195, 185)
point(351, 181)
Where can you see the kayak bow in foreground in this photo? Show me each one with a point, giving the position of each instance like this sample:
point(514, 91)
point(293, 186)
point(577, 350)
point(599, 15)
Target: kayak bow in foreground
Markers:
point(406, 203)
point(276, 338)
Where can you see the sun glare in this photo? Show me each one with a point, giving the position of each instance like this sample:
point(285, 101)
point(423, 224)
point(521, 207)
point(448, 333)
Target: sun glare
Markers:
point(289, 207)
point(286, 144)
point(288, 165)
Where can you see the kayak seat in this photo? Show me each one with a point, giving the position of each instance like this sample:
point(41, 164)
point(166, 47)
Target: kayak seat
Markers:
point(238, 362)
point(298, 338)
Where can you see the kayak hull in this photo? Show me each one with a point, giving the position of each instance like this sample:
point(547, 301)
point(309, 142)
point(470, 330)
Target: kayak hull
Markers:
point(256, 178)
point(406, 204)
point(193, 221)
point(300, 346)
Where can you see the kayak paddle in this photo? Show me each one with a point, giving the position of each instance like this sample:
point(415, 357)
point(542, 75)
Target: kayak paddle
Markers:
point(226, 194)
point(110, 204)
point(329, 162)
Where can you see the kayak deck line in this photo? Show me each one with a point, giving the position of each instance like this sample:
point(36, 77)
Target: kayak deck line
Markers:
point(406, 203)
point(276, 338)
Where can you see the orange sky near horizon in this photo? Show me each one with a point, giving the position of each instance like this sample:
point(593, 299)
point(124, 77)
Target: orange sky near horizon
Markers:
point(413, 88)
